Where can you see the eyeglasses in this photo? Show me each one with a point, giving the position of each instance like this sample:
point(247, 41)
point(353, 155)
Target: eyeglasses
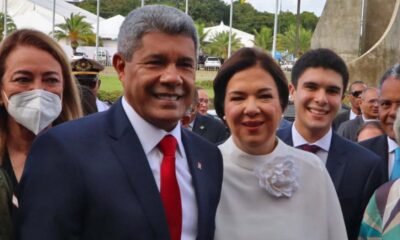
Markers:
point(356, 94)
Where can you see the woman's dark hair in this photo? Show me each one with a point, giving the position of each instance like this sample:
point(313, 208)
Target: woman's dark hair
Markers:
point(243, 59)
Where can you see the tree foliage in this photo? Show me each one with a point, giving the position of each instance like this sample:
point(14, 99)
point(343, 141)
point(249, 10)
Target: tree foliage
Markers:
point(210, 13)
point(287, 41)
point(207, 13)
point(263, 38)
point(10, 25)
point(219, 45)
point(76, 30)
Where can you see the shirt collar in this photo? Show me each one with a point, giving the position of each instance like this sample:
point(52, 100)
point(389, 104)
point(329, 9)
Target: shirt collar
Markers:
point(324, 142)
point(149, 135)
point(392, 145)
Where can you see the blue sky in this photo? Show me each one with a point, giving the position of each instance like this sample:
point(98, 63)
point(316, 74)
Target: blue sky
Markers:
point(315, 6)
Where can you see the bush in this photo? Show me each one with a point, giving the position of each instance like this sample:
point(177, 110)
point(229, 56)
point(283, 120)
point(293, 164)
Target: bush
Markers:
point(109, 96)
point(206, 84)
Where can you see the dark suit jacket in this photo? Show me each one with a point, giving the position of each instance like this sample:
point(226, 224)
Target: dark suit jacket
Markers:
point(355, 171)
point(341, 117)
point(349, 128)
point(90, 179)
point(210, 128)
point(379, 145)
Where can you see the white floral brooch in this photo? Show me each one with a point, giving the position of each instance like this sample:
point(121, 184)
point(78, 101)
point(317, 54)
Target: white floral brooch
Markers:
point(279, 176)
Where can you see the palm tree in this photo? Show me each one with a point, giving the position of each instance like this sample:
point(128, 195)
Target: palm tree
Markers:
point(219, 45)
point(76, 30)
point(10, 25)
point(201, 33)
point(287, 41)
point(263, 38)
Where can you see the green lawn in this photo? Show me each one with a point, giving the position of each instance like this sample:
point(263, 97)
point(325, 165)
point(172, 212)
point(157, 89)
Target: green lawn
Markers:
point(110, 81)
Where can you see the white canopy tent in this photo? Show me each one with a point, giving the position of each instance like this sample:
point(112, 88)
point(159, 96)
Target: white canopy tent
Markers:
point(38, 14)
point(245, 38)
point(109, 28)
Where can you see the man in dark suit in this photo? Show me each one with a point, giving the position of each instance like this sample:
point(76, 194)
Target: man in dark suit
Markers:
point(369, 112)
point(355, 90)
point(319, 78)
point(210, 128)
point(131, 172)
point(389, 102)
point(204, 125)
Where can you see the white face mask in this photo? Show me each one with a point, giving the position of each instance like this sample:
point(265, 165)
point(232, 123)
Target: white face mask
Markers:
point(35, 109)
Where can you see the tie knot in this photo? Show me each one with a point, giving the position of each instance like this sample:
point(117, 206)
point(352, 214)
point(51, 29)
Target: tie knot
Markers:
point(168, 145)
point(309, 148)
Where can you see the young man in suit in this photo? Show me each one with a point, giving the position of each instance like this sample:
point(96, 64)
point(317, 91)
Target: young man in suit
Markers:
point(131, 172)
point(319, 78)
point(389, 101)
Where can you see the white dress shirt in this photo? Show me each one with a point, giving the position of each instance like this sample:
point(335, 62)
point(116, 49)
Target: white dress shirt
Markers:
point(352, 115)
point(149, 137)
point(392, 145)
point(101, 106)
point(324, 143)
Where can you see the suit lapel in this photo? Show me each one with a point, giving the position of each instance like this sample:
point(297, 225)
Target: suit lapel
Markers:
point(196, 166)
point(129, 152)
point(199, 126)
point(285, 134)
point(336, 162)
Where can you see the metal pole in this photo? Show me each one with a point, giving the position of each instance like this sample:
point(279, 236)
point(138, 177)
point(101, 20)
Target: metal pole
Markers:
point(97, 30)
point(297, 51)
point(54, 19)
point(5, 19)
point(187, 7)
point(275, 29)
point(230, 30)
point(142, 3)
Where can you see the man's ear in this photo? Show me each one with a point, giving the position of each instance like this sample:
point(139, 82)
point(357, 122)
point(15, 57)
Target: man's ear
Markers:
point(119, 65)
point(359, 101)
point(292, 91)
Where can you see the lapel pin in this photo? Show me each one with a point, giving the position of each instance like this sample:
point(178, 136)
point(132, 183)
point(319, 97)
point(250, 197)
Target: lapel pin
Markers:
point(199, 165)
point(202, 127)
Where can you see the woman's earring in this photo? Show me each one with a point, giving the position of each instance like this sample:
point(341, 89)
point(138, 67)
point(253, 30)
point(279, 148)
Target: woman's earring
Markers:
point(224, 117)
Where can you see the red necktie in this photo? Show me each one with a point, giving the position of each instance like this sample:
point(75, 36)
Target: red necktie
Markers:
point(169, 190)
point(309, 148)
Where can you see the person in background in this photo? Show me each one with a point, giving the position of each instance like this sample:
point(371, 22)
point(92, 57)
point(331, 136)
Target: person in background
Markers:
point(203, 101)
point(131, 172)
point(86, 72)
point(204, 125)
point(381, 218)
point(369, 112)
point(369, 130)
point(354, 93)
point(319, 78)
point(88, 100)
point(37, 91)
point(389, 101)
point(267, 185)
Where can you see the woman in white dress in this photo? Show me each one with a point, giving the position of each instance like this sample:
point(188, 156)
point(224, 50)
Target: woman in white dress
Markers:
point(270, 190)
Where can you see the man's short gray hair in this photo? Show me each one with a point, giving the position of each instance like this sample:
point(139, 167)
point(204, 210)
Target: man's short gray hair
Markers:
point(153, 18)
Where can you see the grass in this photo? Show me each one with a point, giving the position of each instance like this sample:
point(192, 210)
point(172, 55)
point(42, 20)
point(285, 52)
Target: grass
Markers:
point(110, 81)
